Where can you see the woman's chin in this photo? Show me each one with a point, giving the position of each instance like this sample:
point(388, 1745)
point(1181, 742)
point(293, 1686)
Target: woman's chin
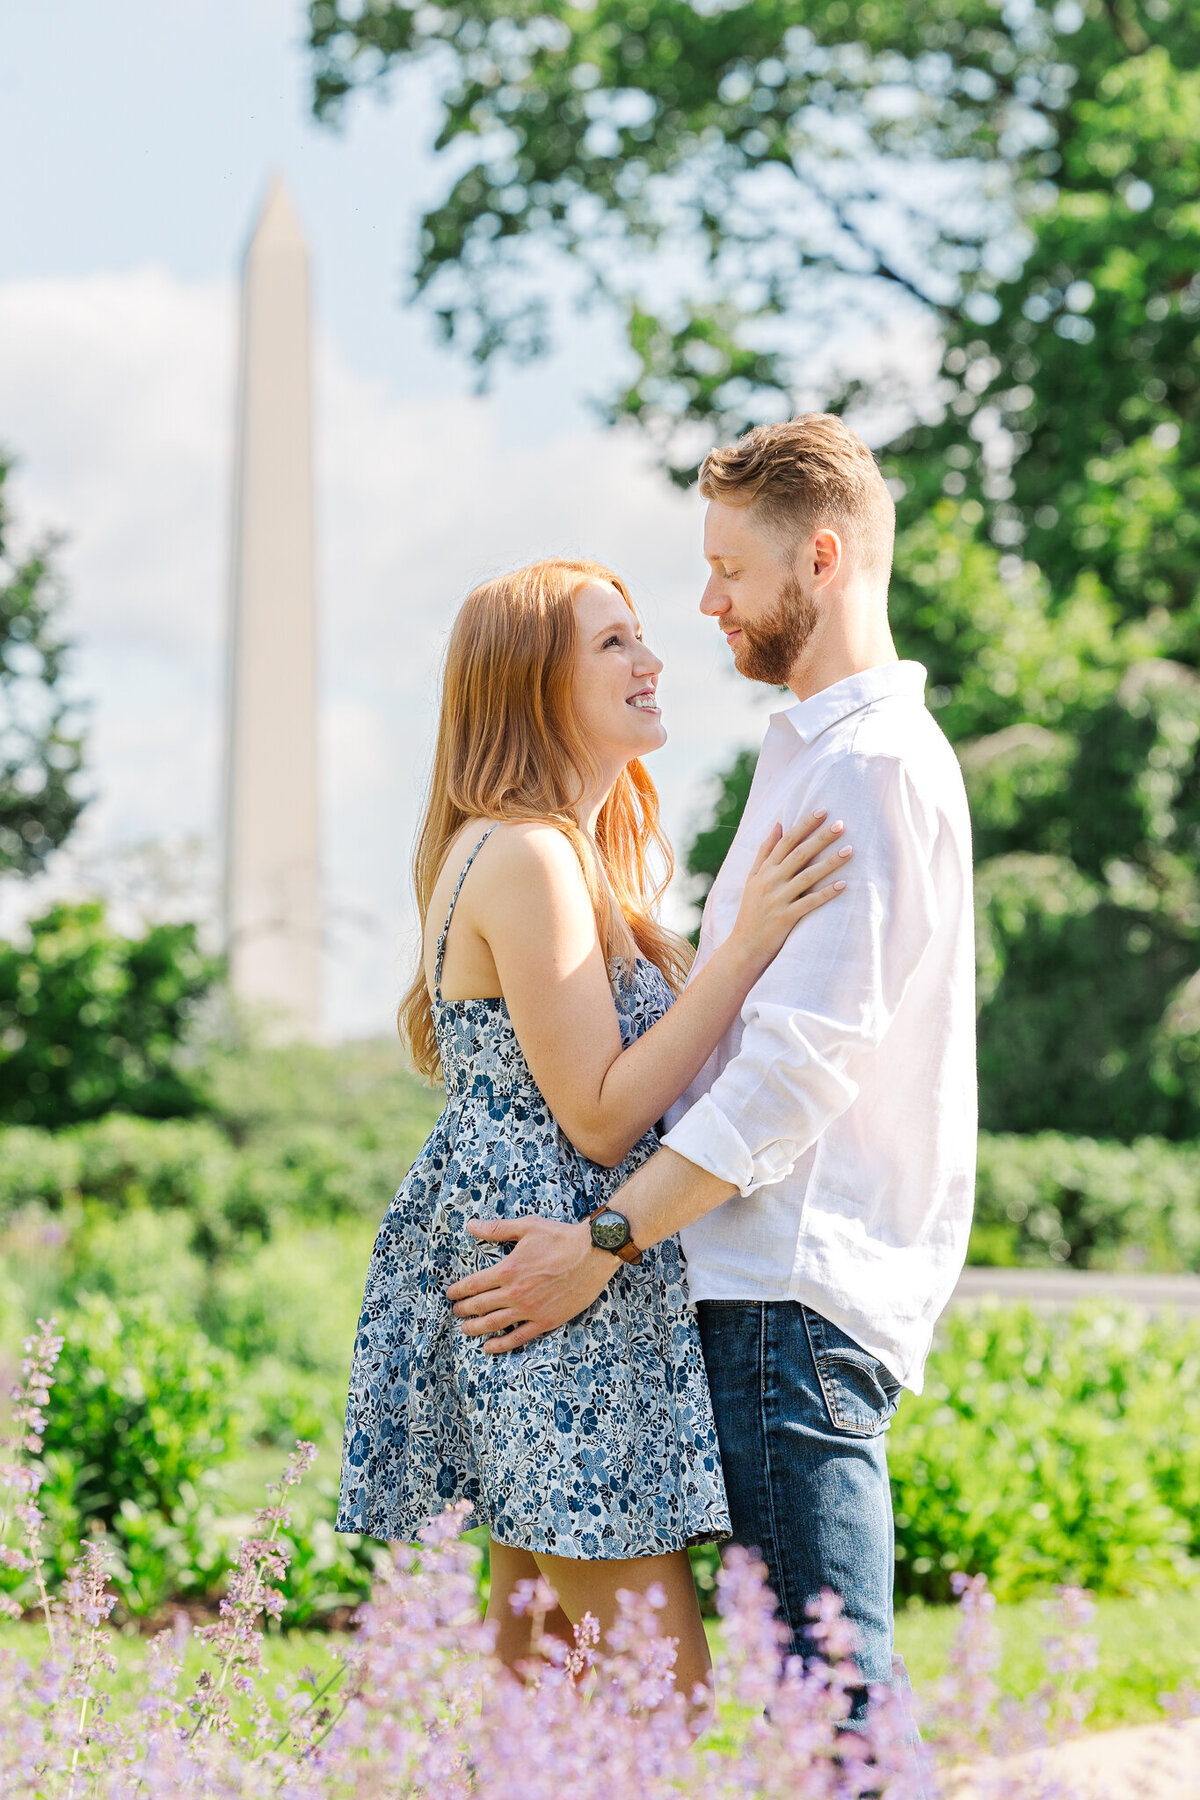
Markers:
point(650, 742)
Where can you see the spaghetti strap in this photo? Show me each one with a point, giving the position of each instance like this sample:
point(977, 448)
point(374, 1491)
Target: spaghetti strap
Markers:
point(440, 955)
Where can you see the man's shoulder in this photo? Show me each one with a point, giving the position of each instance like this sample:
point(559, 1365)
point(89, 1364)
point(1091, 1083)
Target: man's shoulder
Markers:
point(894, 742)
point(901, 730)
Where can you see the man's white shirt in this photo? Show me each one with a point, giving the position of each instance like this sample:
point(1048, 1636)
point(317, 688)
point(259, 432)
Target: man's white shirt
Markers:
point(842, 1103)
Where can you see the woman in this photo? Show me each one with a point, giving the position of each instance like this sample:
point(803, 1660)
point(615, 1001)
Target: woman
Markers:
point(544, 1001)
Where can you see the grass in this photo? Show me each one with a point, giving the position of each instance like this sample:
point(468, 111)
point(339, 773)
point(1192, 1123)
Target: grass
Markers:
point(1147, 1647)
point(286, 1658)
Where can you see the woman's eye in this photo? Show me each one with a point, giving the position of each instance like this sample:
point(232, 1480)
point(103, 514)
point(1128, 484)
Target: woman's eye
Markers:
point(608, 642)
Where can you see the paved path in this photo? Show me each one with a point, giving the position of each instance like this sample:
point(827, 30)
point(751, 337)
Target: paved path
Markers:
point(1146, 1762)
point(1053, 1289)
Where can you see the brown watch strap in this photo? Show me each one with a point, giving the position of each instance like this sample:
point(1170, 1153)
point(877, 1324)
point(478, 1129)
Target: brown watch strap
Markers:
point(628, 1252)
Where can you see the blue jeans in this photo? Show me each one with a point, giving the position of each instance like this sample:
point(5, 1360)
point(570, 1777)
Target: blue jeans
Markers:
point(801, 1410)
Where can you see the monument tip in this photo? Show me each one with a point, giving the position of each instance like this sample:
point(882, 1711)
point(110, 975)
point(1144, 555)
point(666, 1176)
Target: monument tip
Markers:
point(278, 222)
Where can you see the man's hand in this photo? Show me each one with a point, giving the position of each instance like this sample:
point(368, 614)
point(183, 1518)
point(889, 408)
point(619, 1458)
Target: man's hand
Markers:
point(553, 1274)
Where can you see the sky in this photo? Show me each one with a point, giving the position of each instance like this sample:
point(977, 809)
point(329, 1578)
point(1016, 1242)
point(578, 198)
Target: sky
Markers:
point(135, 148)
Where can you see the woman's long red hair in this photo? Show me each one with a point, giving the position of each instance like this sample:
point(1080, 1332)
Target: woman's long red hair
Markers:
point(509, 747)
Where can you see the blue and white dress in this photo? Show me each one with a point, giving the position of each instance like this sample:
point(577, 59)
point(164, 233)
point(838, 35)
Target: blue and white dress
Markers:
point(596, 1440)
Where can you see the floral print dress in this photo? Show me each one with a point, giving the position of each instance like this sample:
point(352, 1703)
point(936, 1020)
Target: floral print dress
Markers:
point(596, 1440)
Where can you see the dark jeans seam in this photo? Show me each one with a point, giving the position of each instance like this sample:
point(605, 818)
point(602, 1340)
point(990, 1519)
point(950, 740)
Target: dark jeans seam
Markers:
point(775, 1557)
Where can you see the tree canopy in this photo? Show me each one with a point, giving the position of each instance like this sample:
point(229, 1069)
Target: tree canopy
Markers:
point(41, 747)
point(756, 187)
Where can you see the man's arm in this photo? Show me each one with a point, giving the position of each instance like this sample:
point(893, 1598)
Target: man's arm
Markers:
point(827, 998)
point(555, 1271)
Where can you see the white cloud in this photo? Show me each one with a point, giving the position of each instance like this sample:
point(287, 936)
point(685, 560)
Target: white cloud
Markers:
point(116, 393)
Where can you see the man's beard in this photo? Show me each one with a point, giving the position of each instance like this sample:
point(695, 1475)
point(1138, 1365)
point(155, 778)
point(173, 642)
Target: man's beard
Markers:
point(769, 648)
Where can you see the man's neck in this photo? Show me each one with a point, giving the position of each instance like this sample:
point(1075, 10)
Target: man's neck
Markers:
point(842, 646)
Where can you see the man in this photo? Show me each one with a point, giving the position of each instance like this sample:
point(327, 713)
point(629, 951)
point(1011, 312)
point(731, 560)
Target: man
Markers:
point(820, 1170)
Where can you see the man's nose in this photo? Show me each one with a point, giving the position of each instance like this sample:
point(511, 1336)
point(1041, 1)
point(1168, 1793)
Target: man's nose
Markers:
point(712, 601)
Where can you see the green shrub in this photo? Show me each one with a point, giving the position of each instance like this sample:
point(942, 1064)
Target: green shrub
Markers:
point(309, 1172)
point(129, 1256)
point(157, 1557)
point(160, 1163)
point(296, 1299)
point(1051, 1449)
point(142, 1405)
point(1062, 1042)
point(36, 1166)
point(283, 1403)
point(363, 1092)
point(142, 1421)
point(1041, 1199)
point(92, 1022)
point(329, 1571)
point(1050, 1199)
point(314, 1172)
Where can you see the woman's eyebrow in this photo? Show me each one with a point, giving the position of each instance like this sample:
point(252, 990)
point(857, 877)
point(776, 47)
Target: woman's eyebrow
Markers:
point(618, 625)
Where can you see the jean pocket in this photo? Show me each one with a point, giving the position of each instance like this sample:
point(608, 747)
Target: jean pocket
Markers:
point(860, 1395)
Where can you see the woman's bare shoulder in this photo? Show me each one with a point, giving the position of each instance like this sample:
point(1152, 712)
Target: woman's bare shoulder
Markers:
point(528, 862)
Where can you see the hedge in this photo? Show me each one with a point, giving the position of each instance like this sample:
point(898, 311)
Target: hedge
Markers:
point(1052, 1199)
point(1044, 1199)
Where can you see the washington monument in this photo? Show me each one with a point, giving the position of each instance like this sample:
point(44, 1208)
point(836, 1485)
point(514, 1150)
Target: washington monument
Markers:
point(272, 905)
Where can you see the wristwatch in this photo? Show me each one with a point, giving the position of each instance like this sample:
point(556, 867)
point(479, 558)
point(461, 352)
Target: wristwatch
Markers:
point(610, 1231)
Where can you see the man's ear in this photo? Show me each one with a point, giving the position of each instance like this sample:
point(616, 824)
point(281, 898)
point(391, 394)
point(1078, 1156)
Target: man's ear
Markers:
point(825, 555)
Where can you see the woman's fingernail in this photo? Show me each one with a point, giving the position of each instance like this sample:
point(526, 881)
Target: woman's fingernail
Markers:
point(845, 850)
point(838, 886)
point(821, 813)
point(838, 825)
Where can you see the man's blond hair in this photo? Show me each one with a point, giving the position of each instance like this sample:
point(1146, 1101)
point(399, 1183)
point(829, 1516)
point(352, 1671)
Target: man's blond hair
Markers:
point(802, 475)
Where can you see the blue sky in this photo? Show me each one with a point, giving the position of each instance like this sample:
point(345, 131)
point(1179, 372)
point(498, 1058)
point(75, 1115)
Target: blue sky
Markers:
point(136, 143)
point(146, 133)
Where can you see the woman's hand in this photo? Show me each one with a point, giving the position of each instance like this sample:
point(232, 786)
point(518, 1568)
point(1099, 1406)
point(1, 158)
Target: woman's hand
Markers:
point(794, 873)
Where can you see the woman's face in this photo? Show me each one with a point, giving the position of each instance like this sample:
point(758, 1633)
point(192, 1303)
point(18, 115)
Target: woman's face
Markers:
point(615, 678)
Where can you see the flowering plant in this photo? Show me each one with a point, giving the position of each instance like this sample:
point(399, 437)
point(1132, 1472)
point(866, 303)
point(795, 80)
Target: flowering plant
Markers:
point(415, 1705)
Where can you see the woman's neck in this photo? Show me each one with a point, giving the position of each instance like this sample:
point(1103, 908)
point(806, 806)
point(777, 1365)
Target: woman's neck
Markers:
point(594, 801)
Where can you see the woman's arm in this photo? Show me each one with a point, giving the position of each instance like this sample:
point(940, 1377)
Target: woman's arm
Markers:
point(531, 906)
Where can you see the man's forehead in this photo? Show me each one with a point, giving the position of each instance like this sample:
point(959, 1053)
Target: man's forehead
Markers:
point(728, 531)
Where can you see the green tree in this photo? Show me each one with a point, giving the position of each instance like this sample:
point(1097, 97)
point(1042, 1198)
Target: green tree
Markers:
point(1023, 177)
point(1074, 412)
point(796, 159)
point(91, 1022)
point(41, 749)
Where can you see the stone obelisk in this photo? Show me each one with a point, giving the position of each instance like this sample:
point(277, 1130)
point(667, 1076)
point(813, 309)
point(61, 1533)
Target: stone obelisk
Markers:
point(272, 857)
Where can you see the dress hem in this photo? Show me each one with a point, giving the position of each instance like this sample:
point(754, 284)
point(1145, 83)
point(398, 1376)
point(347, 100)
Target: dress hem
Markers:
point(709, 1535)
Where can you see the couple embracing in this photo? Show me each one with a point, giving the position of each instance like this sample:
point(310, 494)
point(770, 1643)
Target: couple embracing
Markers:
point(680, 1236)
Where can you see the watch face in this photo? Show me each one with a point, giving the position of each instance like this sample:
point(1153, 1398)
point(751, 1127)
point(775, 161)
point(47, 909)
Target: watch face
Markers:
point(610, 1231)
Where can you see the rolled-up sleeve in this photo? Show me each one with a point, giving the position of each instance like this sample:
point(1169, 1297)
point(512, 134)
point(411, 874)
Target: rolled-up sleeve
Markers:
point(832, 991)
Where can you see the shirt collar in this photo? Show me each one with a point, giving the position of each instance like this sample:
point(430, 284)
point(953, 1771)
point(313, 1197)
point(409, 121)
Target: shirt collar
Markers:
point(809, 718)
